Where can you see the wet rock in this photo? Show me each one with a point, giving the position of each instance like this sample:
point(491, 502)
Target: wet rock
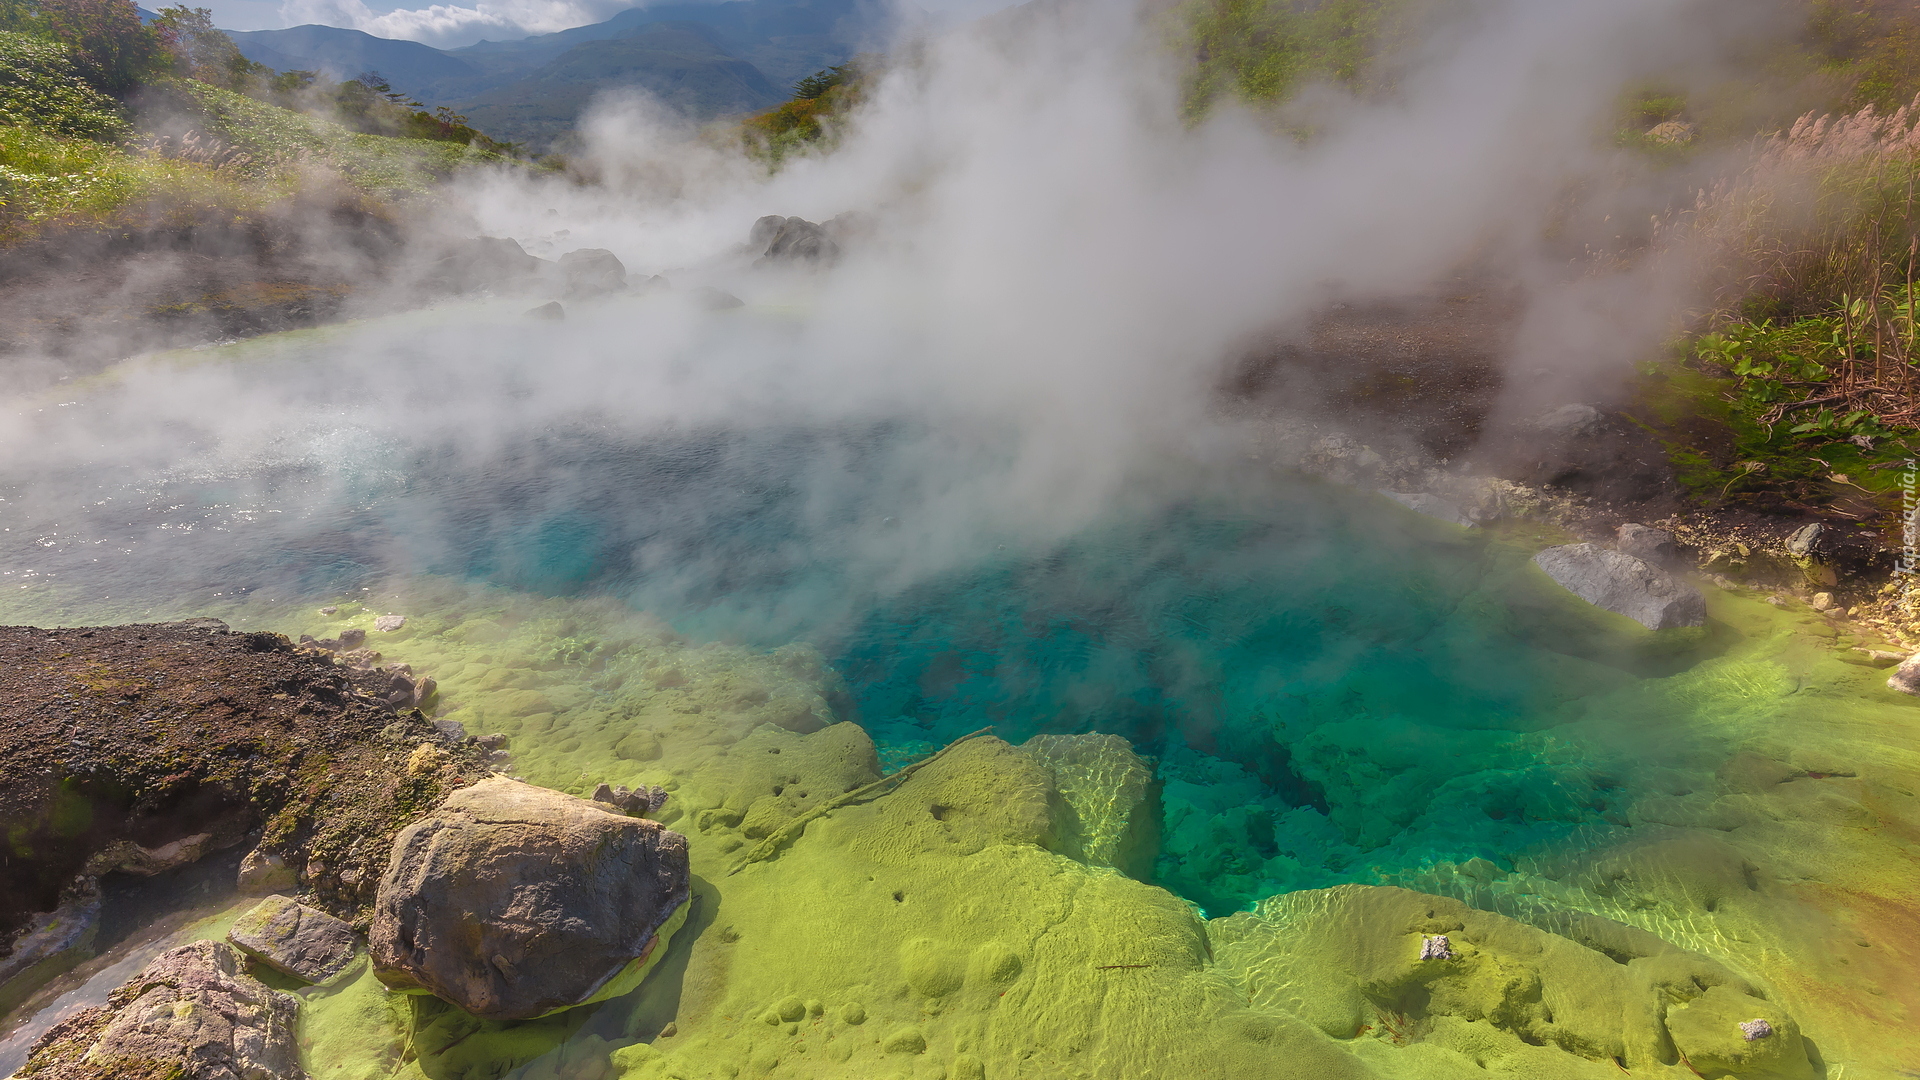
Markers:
point(1625, 585)
point(1654, 547)
point(792, 240)
point(593, 272)
point(513, 901)
point(1906, 677)
point(453, 730)
point(638, 802)
point(1433, 506)
point(329, 610)
point(193, 1013)
point(387, 624)
point(294, 939)
point(263, 872)
point(1807, 548)
point(404, 692)
point(1712, 1030)
point(50, 944)
point(348, 641)
point(1104, 817)
point(551, 311)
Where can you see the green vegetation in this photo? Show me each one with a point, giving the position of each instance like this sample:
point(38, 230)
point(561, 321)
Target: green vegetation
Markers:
point(40, 88)
point(1262, 51)
point(812, 118)
point(73, 149)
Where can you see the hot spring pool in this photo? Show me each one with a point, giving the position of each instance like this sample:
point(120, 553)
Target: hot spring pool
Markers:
point(1317, 690)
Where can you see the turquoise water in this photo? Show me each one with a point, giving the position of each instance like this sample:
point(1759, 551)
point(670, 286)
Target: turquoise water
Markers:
point(1331, 689)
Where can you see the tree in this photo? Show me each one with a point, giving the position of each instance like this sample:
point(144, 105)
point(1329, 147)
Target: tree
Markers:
point(112, 48)
point(204, 52)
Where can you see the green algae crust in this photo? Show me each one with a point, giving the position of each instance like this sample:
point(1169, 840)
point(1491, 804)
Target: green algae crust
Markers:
point(971, 922)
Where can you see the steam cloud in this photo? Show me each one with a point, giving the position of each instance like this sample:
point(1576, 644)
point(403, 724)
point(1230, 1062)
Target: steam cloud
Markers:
point(1028, 341)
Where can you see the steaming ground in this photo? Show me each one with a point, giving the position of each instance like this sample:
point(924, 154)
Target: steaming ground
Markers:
point(979, 466)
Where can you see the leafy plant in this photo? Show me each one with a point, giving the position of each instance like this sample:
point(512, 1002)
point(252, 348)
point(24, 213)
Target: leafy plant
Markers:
point(40, 87)
point(1263, 51)
point(204, 52)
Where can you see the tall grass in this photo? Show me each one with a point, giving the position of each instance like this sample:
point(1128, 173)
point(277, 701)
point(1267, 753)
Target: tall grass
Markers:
point(1818, 253)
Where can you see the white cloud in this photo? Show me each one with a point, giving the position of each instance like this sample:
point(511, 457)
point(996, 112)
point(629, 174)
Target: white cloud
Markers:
point(449, 25)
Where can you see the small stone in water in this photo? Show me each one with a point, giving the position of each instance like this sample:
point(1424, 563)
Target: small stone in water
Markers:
point(329, 610)
point(1436, 947)
point(386, 624)
point(1755, 1029)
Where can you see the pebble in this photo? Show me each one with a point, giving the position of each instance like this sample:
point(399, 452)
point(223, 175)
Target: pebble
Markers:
point(329, 610)
point(387, 624)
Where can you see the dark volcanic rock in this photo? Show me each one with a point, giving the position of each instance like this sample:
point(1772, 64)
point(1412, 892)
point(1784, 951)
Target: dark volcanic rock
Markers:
point(294, 939)
point(193, 1014)
point(513, 901)
point(138, 748)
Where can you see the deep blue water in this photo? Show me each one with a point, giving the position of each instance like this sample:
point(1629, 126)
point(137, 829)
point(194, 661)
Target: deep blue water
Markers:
point(1330, 689)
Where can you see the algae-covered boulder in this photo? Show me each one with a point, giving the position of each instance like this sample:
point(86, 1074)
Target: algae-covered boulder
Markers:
point(513, 901)
point(1106, 815)
point(1357, 959)
point(192, 1013)
point(1624, 585)
point(294, 939)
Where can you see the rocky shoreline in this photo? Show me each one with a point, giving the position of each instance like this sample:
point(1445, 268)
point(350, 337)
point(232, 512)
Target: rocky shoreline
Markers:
point(140, 749)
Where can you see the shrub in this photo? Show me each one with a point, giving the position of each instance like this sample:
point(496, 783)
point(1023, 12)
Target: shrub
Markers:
point(1263, 51)
point(112, 49)
point(40, 88)
point(205, 53)
point(810, 119)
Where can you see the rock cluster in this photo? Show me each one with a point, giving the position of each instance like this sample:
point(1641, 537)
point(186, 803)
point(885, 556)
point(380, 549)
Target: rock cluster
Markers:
point(791, 239)
point(513, 901)
point(192, 1013)
point(638, 802)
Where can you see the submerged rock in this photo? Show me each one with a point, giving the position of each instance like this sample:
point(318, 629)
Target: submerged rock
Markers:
point(1625, 585)
point(1106, 817)
point(193, 1013)
point(1433, 506)
point(294, 939)
point(513, 901)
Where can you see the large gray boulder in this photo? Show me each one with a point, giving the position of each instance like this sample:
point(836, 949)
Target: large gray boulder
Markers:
point(791, 239)
point(193, 1013)
point(513, 901)
point(593, 272)
point(294, 939)
point(1625, 585)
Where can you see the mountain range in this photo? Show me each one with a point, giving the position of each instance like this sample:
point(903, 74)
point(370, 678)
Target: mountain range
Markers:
point(703, 60)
